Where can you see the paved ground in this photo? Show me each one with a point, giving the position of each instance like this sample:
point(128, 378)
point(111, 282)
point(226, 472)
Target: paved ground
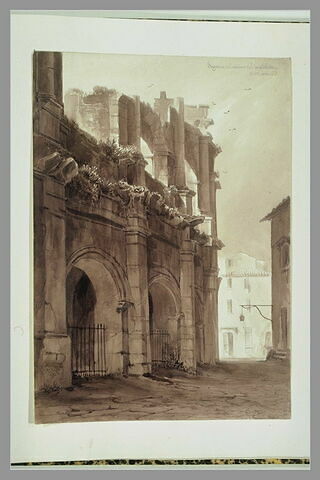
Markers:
point(227, 391)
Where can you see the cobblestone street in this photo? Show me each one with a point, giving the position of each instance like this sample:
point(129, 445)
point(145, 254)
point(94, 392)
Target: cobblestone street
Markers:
point(237, 390)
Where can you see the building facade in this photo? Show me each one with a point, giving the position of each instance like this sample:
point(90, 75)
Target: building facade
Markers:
point(281, 299)
point(244, 332)
point(125, 244)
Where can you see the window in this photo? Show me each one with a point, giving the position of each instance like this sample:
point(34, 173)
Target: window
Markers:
point(246, 284)
point(285, 255)
point(230, 282)
point(229, 262)
point(228, 344)
point(229, 306)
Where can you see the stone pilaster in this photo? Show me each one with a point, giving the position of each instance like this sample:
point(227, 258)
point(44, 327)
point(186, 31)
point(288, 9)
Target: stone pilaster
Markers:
point(49, 126)
point(187, 287)
point(204, 186)
point(137, 270)
point(160, 166)
point(210, 291)
point(45, 73)
point(186, 196)
point(52, 343)
point(137, 122)
point(114, 116)
point(139, 167)
point(213, 191)
point(180, 174)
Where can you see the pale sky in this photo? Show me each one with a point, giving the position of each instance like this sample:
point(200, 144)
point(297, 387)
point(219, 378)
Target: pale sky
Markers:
point(255, 163)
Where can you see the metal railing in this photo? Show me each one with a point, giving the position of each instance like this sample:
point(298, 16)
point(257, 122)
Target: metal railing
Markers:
point(88, 350)
point(160, 346)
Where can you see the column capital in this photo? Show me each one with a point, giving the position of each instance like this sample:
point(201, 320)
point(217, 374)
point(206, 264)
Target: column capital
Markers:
point(60, 168)
point(139, 159)
point(186, 192)
point(161, 152)
point(137, 230)
point(188, 248)
point(204, 139)
point(211, 271)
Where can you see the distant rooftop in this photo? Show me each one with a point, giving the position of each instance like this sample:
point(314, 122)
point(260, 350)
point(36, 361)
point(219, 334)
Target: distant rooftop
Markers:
point(283, 204)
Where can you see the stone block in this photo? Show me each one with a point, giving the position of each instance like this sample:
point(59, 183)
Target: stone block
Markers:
point(53, 366)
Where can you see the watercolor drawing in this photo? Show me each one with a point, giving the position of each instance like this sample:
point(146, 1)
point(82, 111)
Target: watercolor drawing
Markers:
point(161, 207)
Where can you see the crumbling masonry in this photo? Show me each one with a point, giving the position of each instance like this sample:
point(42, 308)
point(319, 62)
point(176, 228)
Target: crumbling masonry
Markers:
point(125, 252)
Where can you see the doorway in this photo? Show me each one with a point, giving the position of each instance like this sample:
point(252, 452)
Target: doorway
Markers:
point(228, 344)
point(88, 338)
point(163, 326)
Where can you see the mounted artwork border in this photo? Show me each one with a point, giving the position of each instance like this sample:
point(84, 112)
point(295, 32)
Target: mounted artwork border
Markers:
point(39, 28)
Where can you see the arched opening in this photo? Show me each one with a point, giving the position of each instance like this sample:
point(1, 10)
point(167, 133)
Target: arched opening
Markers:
point(94, 325)
point(164, 325)
point(285, 255)
point(83, 302)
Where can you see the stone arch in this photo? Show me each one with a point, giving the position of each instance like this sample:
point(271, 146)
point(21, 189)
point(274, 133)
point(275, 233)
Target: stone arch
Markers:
point(165, 312)
point(168, 282)
point(109, 285)
point(163, 274)
point(151, 129)
point(116, 270)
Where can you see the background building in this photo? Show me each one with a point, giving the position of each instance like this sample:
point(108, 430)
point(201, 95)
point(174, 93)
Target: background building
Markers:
point(243, 332)
point(280, 246)
point(125, 246)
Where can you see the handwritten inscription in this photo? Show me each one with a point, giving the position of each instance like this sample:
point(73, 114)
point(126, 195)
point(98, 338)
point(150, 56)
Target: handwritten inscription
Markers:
point(253, 69)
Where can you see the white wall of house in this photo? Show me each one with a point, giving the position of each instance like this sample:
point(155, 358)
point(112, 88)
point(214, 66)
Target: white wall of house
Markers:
point(245, 281)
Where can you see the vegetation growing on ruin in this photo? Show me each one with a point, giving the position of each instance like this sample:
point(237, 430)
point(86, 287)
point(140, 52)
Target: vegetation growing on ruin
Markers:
point(111, 151)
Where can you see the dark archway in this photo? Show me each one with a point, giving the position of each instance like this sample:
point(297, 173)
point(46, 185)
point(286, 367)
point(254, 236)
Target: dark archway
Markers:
point(109, 324)
point(84, 301)
point(85, 340)
point(163, 318)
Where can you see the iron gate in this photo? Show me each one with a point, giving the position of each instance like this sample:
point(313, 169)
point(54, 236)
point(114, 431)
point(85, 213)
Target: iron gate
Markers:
point(88, 350)
point(160, 347)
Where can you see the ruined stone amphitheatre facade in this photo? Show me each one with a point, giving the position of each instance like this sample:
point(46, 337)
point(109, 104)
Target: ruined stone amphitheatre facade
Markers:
point(125, 232)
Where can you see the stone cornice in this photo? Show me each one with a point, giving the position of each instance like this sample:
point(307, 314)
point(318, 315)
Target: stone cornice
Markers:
point(55, 165)
point(200, 237)
point(217, 243)
point(186, 191)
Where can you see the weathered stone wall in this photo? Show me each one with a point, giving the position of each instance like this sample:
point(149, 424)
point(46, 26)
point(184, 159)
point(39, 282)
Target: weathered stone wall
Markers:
point(52, 344)
point(99, 227)
point(95, 113)
point(280, 235)
point(125, 252)
point(96, 243)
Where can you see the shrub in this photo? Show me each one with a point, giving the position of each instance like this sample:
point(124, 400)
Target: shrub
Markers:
point(111, 151)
